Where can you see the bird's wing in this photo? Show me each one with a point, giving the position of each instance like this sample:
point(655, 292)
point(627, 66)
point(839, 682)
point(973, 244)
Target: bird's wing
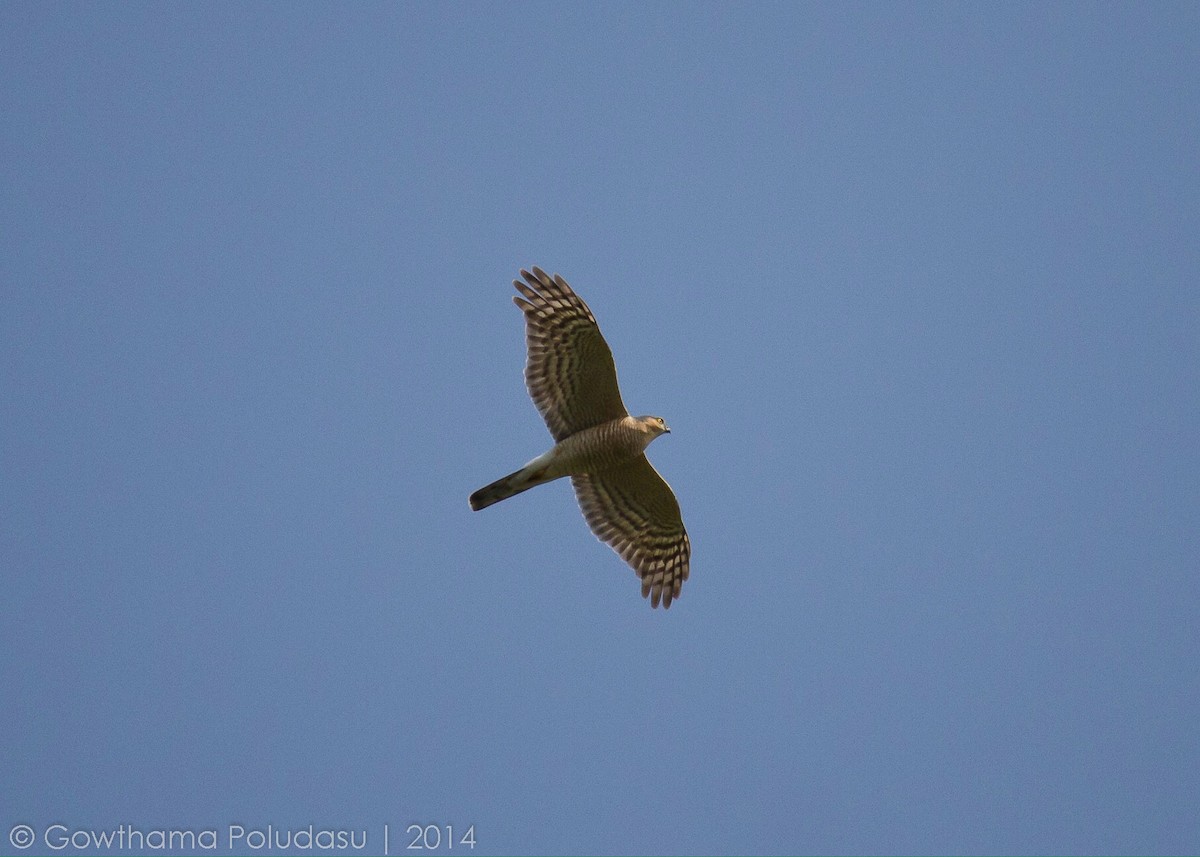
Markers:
point(634, 511)
point(570, 372)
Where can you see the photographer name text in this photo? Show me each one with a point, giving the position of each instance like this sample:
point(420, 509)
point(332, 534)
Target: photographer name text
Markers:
point(241, 838)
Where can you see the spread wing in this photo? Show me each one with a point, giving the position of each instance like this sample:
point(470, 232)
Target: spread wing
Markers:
point(634, 511)
point(570, 373)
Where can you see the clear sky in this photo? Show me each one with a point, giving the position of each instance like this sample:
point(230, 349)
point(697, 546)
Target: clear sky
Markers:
point(916, 285)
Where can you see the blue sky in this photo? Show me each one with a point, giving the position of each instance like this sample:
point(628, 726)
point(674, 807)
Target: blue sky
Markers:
point(915, 286)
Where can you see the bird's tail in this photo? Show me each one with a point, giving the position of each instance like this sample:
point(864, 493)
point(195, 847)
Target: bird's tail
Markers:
point(514, 483)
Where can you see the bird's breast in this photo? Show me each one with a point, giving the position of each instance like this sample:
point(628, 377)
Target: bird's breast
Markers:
point(600, 447)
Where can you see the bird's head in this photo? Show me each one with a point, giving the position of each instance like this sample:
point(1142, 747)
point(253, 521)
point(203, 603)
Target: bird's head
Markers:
point(654, 426)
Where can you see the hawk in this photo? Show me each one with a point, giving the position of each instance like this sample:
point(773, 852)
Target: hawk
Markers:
point(573, 382)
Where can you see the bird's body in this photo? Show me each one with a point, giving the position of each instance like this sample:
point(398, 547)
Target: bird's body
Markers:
point(592, 450)
point(573, 381)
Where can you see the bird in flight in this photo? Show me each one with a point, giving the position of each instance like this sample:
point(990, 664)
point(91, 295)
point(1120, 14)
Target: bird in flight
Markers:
point(573, 382)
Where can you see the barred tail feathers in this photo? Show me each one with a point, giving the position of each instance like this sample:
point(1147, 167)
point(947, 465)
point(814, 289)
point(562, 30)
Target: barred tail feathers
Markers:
point(531, 475)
